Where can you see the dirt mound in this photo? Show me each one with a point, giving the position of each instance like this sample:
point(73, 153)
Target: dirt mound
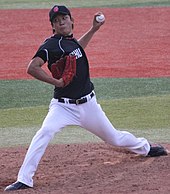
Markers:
point(90, 168)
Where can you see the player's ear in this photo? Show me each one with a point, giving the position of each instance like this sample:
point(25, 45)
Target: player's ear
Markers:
point(53, 29)
point(72, 19)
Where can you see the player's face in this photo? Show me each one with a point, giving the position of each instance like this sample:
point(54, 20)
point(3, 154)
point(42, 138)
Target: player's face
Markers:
point(62, 25)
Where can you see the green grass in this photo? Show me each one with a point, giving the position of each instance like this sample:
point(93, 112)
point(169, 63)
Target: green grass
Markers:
point(31, 4)
point(22, 136)
point(142, 113)
point(147, 117)
point(28, 93)
point(141, 106)
point(139, 113)
point(24, 93)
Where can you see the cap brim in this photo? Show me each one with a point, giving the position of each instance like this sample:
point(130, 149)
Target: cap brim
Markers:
point(57, 13)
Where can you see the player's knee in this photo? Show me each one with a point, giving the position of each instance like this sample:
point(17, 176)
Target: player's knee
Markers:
point(50, 130)
point(45, 131)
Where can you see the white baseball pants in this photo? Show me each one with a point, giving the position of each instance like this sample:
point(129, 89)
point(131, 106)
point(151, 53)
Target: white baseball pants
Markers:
point(89, 116)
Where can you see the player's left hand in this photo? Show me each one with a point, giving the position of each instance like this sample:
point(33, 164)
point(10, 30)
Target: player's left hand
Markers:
point(64, 70)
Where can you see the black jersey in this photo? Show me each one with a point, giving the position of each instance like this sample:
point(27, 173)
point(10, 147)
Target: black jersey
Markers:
point(56, 47)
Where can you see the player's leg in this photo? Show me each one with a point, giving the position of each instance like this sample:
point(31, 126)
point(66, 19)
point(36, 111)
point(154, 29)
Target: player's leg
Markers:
point(57, 118)
point(95, 120)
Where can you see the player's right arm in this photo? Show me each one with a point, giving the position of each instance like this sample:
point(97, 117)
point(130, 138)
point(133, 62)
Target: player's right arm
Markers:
point(85, 39)
point(35, 70)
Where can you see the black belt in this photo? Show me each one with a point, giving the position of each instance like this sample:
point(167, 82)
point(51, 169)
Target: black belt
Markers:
point(76, 101)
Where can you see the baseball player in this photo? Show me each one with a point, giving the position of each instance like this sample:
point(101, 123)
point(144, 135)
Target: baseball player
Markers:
point(74, 101)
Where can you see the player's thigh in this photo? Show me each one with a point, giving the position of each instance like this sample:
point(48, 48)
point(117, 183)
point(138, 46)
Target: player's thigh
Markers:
point(96, 121)
point(58, 116)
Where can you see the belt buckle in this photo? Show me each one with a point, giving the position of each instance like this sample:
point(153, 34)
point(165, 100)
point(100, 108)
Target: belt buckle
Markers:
point(77, 102)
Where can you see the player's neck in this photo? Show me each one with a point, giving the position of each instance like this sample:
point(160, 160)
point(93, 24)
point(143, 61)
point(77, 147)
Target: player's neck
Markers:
point(65, 36)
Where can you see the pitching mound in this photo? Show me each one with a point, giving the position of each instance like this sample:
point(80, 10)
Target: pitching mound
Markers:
point(90, 169)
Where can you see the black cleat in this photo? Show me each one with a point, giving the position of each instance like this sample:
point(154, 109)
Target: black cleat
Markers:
point(157, 150)
point(16, 186)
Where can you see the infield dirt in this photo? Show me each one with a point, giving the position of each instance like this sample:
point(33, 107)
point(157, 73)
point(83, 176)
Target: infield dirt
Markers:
point(134, 42)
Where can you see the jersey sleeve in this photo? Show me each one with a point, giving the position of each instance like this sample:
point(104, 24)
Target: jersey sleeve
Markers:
point(43, 54)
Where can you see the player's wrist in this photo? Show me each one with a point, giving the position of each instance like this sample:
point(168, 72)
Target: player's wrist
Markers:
point(58, 82)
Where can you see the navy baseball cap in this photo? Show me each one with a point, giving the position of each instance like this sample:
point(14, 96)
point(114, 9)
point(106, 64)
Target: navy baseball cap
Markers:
point(58, 9)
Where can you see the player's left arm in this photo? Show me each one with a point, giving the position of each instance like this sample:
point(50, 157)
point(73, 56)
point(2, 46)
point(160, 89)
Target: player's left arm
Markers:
point(85, 39)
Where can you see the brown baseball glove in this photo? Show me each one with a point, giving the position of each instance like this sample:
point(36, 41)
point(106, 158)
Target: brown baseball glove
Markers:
point(64, 68)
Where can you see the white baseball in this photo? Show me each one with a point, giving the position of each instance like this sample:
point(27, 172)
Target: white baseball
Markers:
point(100, 18)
